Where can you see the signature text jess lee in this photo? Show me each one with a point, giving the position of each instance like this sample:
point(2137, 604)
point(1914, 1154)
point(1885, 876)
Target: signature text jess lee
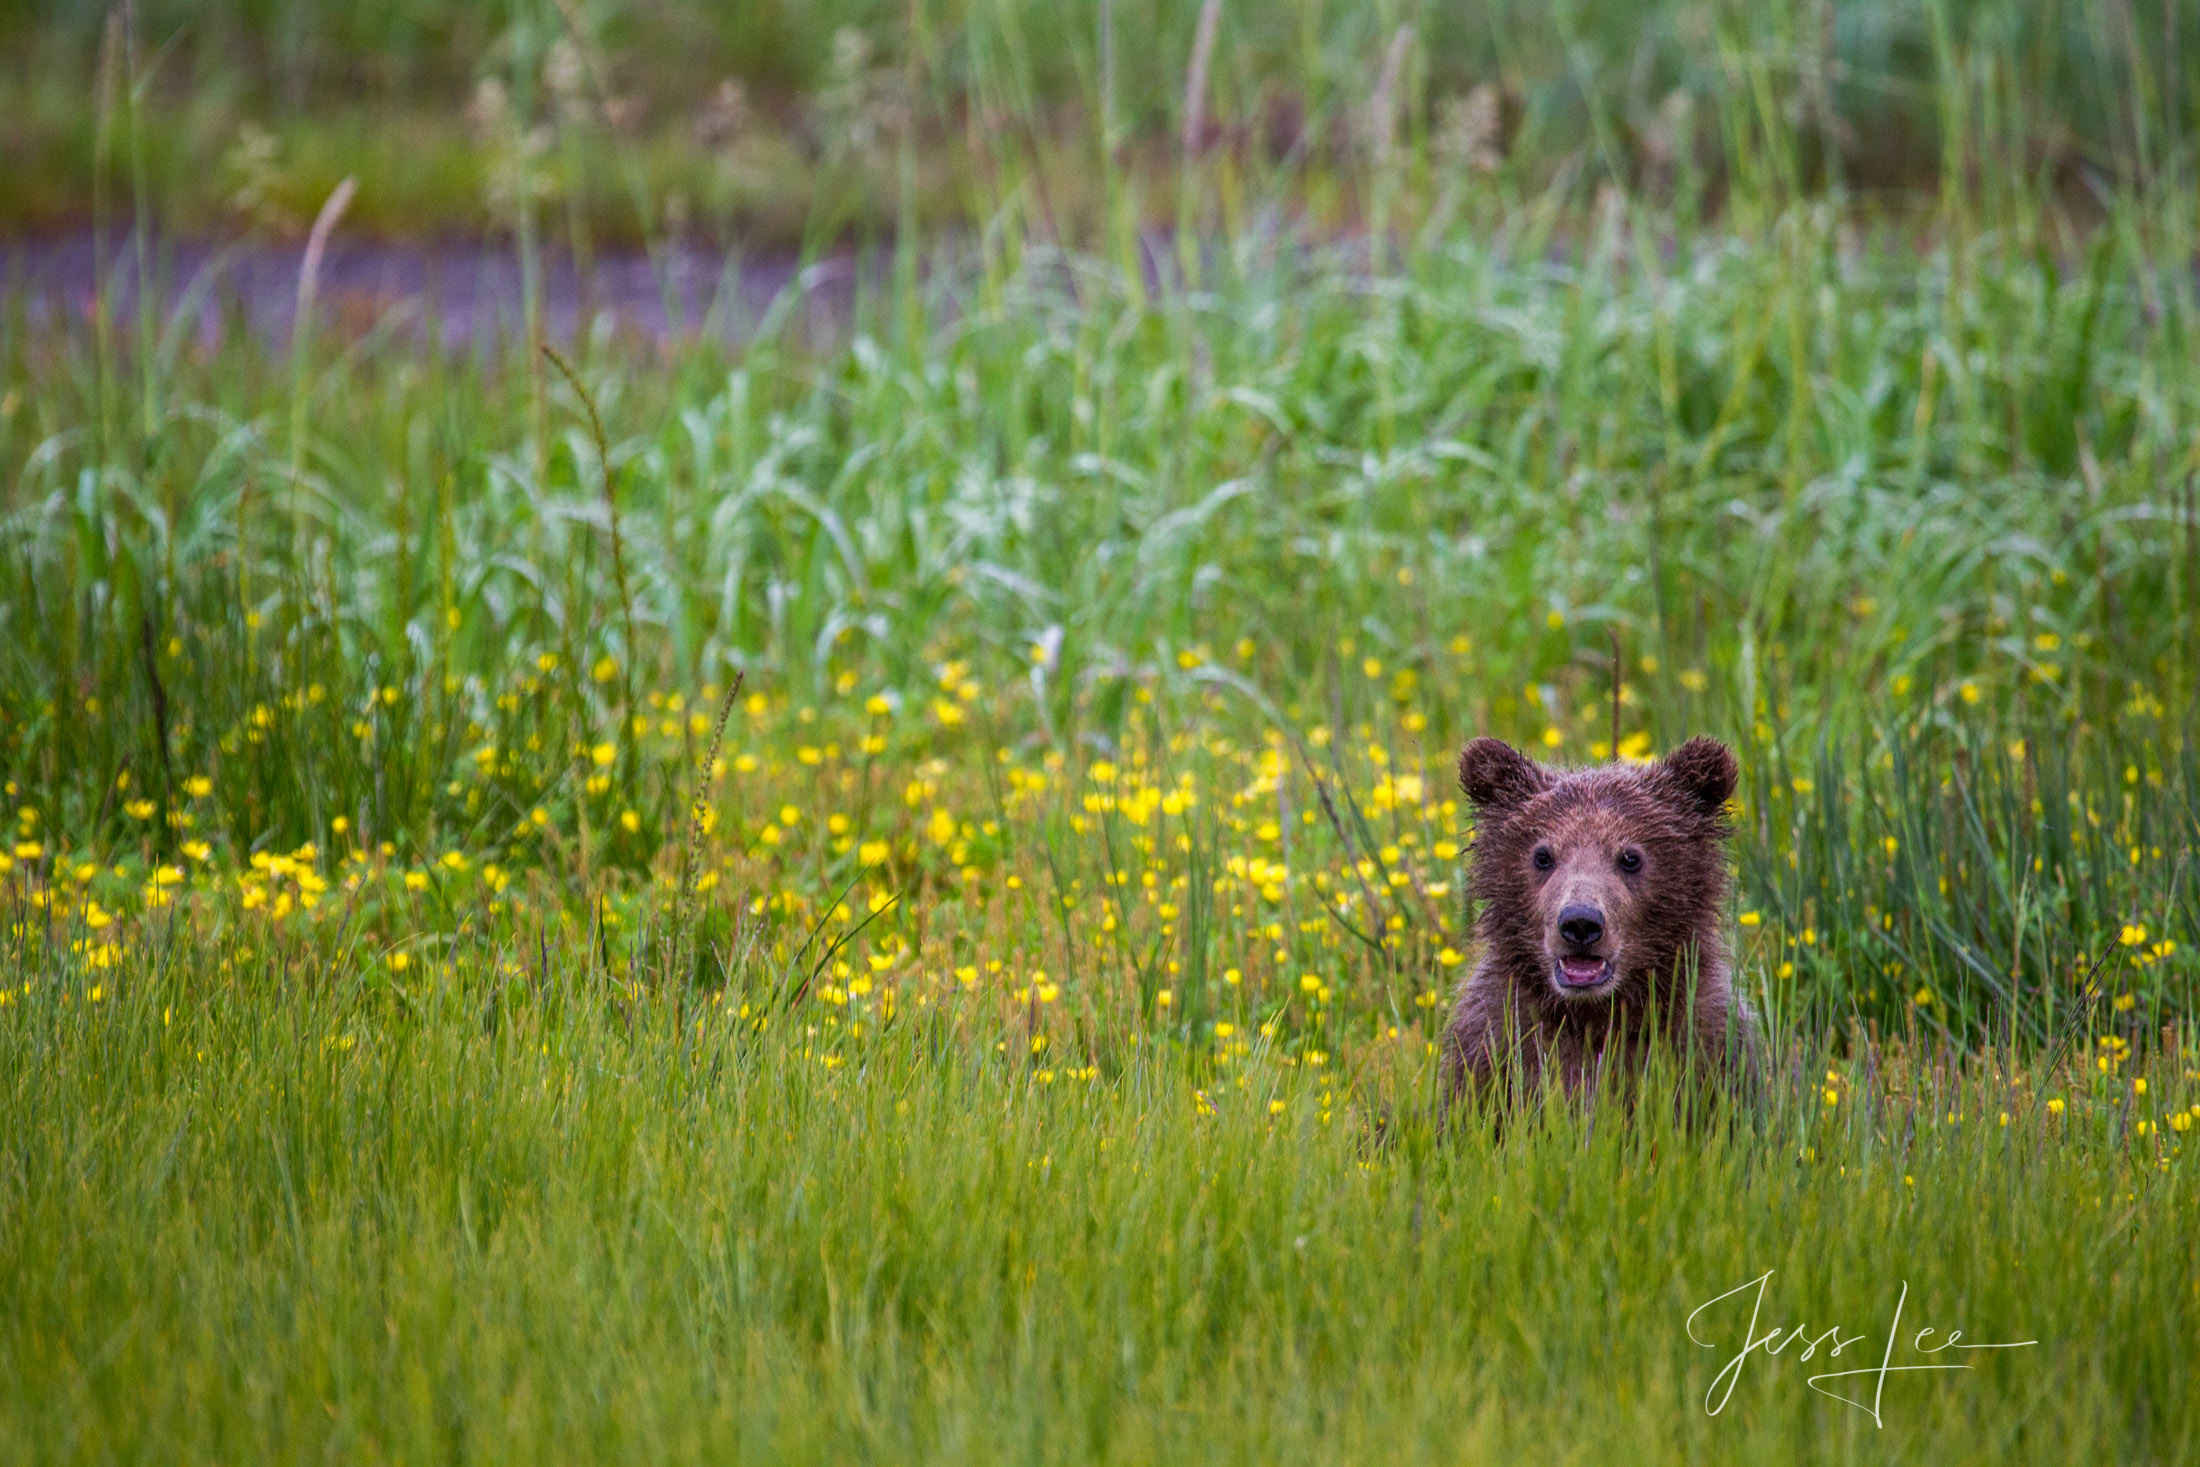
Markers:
point(1775, 1340)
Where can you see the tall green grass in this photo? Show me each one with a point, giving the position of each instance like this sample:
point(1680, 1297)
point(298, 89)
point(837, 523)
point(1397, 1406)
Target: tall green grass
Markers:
point(1915, 533)
point(249, 1216)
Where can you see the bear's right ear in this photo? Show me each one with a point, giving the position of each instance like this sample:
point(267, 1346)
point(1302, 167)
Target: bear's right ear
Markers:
point(1495, 775)
point(1704, 772)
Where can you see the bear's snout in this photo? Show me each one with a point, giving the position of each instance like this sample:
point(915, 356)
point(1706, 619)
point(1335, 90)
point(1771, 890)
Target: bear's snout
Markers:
point(1581, 925)
point(1586, 927)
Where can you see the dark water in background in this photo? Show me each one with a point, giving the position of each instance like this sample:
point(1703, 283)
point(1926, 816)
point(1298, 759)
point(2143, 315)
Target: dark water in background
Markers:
point(457, 296)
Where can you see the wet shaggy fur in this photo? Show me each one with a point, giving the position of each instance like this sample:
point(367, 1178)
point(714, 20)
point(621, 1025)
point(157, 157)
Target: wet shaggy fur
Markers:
point(1644, 848)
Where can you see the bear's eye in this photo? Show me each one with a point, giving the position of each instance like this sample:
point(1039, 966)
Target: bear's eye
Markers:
point(1630, 861)
point(1544, 860)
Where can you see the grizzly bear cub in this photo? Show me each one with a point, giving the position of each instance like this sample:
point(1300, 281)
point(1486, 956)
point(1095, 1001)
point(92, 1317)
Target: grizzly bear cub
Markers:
point(1601, 893)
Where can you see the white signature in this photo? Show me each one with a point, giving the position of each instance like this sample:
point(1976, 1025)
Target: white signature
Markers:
point(1775, 1340)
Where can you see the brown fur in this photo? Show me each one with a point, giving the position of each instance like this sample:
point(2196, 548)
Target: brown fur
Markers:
point(1664, 957)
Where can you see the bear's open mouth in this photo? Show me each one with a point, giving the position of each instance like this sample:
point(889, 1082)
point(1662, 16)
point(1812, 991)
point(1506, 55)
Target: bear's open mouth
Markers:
point(1583, 972)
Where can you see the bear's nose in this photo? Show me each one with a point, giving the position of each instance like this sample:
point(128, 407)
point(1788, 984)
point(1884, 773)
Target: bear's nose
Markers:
point(1581, 925)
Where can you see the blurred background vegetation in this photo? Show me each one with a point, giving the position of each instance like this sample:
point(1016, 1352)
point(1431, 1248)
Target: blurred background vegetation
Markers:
point(780, 122)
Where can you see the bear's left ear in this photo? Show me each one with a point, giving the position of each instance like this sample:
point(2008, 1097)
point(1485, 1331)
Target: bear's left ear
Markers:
point(1703, 771)
point(1495, 775)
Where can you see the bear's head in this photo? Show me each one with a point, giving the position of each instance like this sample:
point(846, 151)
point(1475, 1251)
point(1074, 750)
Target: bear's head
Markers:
point(1597, 885)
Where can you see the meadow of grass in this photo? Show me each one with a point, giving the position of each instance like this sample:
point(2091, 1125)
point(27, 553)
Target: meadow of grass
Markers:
point(888, 890)
point(268, 1212)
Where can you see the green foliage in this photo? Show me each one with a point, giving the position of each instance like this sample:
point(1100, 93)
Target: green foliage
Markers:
point(254, 1209)
point(1860, 516)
